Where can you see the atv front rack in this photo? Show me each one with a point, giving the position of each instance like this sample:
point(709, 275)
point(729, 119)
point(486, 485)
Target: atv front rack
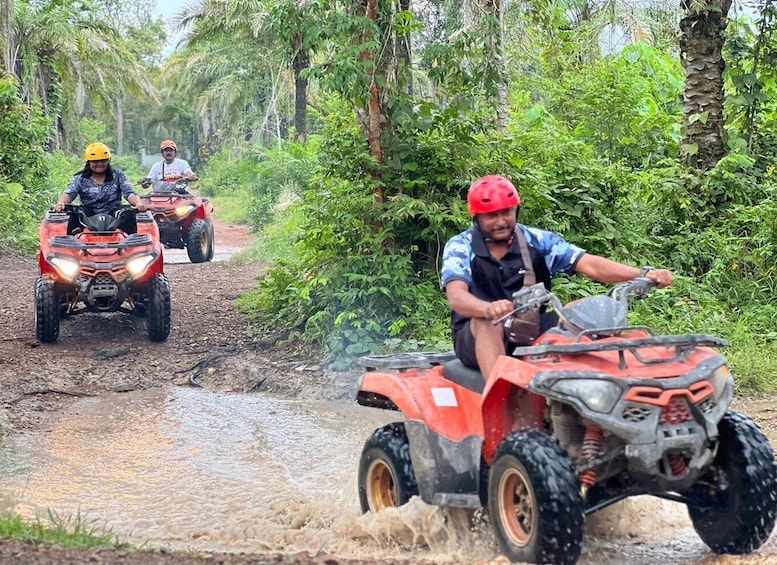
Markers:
point(683, 345)
point(72, 242)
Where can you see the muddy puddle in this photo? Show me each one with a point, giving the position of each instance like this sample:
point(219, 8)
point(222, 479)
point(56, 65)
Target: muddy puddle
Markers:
point(196, 470)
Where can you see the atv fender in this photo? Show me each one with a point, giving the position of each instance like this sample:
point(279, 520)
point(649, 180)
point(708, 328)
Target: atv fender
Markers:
point(205, 210)
point(507, 404)
point(444, 430)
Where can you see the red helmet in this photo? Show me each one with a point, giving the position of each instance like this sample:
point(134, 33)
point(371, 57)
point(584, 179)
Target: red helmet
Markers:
point(168, 144)
point(491, 194)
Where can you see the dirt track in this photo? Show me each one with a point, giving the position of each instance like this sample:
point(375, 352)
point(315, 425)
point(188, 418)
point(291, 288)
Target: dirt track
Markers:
point(209, 345)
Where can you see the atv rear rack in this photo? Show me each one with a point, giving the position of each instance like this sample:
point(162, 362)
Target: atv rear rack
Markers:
point(405, 360)
point(683, 345)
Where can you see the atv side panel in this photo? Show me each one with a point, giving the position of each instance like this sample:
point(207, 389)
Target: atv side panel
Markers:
point(447, 465)
point(447, 471)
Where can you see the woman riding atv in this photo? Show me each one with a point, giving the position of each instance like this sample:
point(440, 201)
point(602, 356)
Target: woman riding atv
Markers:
point(100, 188)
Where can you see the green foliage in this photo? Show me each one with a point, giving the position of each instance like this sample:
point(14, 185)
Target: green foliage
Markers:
point(76, 532)
point(351, 288)
point(277, 240)
point(262, 177)
point(751, 85)
point(363, 273)
point(23, 169)
point(693, 217)
point(626, 106)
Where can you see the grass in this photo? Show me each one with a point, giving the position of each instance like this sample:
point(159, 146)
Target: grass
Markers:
point(231, 209)
point(74, 532)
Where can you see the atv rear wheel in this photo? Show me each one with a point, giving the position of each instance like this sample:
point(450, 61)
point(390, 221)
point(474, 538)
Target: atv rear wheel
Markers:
point(386, 477)
point(534, 500)
point(737, 497)
point(198, 241)
point(158, 310)
point(46, 312)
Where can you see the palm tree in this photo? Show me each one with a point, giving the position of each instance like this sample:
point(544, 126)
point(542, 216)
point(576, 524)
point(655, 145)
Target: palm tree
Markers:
point(701, 49)
point(7, 34)
point(72, 61)
point(258, 40)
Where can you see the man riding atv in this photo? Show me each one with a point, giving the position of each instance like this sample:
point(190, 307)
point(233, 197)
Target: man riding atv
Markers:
point(585, 410)
point(183, 217)
point(483, 266)
point(170, 168)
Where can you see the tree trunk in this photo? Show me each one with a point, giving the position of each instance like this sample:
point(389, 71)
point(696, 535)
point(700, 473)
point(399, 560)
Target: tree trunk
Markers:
point(404, 49)
point(300, 62)
point(486, 18)
point(6, 19)
point(701, 46)
point(374, 110)
point(119, 125)
point(495, 23)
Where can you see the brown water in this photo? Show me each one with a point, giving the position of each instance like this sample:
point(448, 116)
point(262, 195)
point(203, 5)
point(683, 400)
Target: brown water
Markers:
point(192, 469)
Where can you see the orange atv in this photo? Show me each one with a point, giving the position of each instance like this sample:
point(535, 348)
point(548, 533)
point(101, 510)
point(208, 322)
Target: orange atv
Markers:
point(184, 219)
point(100, 263)
point(593, 412)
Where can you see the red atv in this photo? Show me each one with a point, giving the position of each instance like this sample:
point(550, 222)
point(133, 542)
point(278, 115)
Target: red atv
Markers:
point(183, 218)
point(100, 263)
point(593, 412)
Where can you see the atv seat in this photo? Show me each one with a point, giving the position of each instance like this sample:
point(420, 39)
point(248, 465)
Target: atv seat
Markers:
point(467, 377)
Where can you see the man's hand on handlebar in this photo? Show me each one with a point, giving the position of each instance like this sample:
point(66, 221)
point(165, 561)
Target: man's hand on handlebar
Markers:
point(662, 277)
point(497, 309)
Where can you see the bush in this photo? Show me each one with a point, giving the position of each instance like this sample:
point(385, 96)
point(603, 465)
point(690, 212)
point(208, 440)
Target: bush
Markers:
point(23, 169)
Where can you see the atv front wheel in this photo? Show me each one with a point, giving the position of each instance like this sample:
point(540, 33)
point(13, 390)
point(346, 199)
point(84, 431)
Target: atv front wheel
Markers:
point(158, 310)
point(534, 500)
point(212, 239)
point(198, 241)
point(46, 312)
point(737, 498)
point(386, 477)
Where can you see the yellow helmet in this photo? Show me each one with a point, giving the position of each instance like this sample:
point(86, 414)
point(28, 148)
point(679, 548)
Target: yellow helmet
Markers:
point(97, 152)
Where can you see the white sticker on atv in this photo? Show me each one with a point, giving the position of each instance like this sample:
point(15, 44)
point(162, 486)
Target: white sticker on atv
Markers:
point(444, 397)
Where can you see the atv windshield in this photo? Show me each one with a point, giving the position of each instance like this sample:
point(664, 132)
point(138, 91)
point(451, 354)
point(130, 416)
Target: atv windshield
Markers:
point(167, 187)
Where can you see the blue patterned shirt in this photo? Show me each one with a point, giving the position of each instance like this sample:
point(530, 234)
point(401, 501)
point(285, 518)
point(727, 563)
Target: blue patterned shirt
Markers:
point(559, 255)
point(104, 198)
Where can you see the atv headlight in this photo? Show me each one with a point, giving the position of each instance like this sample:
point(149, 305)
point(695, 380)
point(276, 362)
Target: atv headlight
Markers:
point(719, 378)
point(182, 211)
point(599, 395)
point(139, 265)
point(67, 268)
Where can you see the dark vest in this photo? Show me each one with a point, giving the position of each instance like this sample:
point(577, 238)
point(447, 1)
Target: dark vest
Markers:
point(495, 280)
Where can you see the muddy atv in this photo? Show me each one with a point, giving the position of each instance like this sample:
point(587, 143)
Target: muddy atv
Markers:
point(593, 412)
point(100, 263)
point(184, 219)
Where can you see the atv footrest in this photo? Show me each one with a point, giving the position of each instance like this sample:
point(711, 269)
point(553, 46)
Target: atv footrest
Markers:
point(405, 360)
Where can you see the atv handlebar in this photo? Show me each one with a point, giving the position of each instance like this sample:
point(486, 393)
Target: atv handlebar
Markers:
point(638, 288)
point(179, 186)
point(76, 209)
point(537, 295)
